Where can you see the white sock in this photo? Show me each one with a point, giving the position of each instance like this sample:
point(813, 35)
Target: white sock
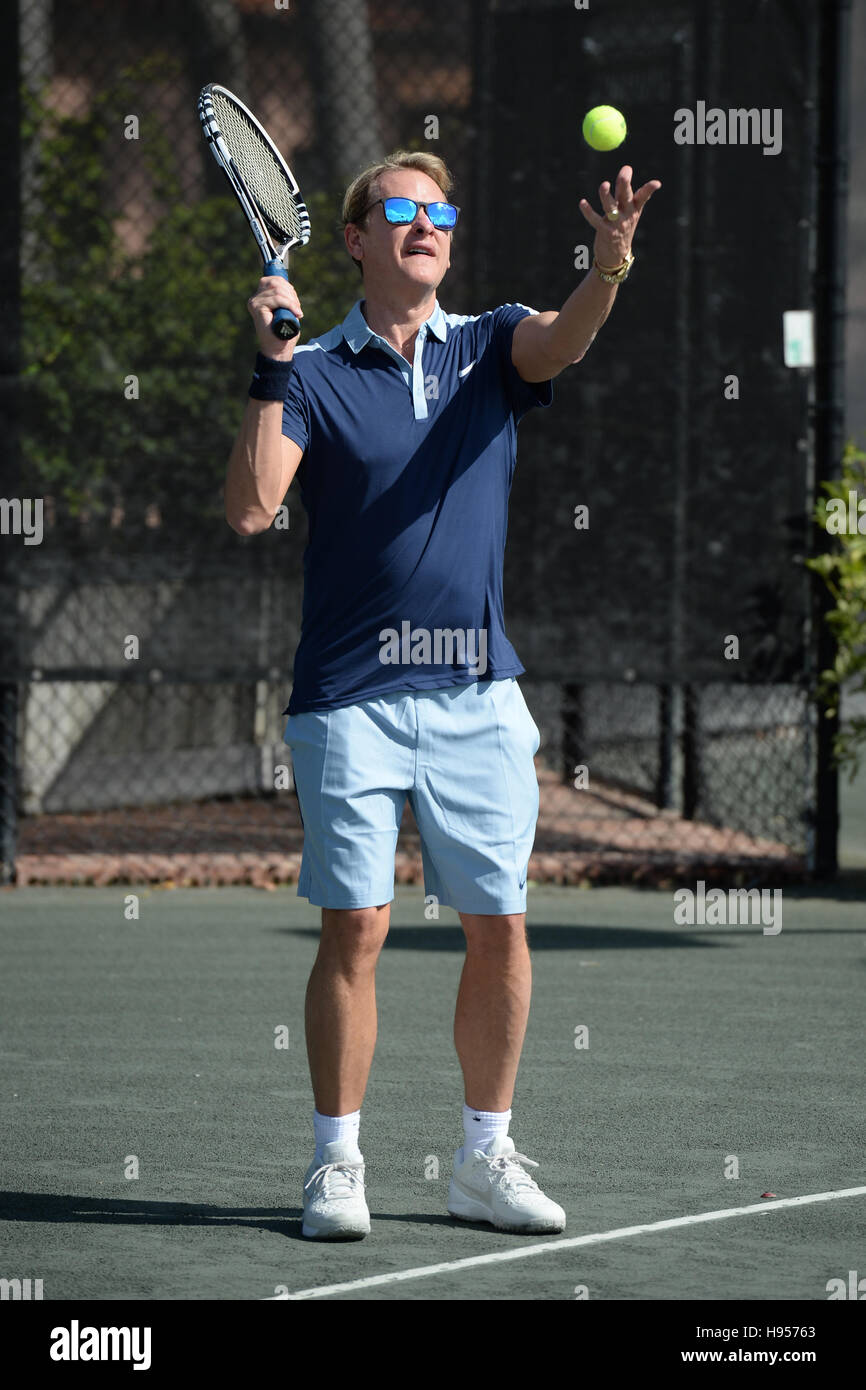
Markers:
point(480, 1126)
point(330, 1127)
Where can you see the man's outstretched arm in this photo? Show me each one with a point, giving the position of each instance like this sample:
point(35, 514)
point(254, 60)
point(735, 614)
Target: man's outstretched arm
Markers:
point(544, 344)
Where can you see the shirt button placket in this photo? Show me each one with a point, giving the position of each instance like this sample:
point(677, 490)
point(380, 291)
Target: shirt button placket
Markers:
point(419, 400)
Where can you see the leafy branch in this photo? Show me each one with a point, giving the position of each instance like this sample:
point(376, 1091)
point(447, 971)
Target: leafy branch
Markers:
point(842, 513)
point(155, 289)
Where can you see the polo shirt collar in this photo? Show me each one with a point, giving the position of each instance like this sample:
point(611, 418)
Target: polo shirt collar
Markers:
point(357, 332)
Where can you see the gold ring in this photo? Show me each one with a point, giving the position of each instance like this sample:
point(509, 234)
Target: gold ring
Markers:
point(612, 215)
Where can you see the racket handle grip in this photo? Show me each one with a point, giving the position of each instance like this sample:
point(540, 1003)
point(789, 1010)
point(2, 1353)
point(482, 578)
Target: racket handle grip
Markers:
point(284, 324)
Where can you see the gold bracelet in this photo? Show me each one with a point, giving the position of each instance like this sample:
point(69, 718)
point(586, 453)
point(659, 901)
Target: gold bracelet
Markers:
point(614, 275)
point(611, 269)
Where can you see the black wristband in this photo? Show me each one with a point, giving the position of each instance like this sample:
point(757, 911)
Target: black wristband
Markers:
point(270, 379)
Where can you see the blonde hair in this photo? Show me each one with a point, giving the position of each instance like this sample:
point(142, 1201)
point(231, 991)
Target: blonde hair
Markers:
point(364, 189)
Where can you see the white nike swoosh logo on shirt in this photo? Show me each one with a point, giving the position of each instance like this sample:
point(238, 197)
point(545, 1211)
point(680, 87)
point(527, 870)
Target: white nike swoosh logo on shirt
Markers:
point(467, 370)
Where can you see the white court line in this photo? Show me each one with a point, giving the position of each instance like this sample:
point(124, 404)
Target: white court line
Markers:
point(570, 1243)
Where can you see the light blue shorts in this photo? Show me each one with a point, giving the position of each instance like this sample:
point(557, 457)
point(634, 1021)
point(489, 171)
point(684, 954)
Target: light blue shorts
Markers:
point(463, 756)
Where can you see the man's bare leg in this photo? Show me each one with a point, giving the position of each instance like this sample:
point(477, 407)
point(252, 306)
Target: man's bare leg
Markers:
point(489, 1028)
point(492, 1007)
point(340, 1010)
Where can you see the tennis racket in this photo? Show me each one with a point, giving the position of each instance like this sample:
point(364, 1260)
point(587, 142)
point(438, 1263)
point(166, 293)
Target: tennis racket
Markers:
point(263, 184)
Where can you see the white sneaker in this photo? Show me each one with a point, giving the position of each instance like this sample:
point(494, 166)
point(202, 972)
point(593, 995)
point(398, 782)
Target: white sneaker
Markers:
point(334, 1204)
point(491, 1185)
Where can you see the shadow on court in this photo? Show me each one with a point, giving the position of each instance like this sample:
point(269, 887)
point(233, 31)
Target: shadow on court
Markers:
point(850, 886)
point(544, 937)
point(286, 1221)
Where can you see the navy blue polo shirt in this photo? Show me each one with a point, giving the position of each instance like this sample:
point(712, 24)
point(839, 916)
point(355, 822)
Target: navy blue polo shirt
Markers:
point(405, 480)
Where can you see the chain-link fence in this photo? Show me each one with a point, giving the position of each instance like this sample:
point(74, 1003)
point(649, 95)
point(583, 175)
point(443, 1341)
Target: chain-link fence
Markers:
point(153, 647)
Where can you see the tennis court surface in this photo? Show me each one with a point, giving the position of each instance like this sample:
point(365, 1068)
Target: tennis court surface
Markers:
point(148, 1046)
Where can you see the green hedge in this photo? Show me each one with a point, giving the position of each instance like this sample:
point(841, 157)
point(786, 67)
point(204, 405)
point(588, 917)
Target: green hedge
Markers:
point(174, 316)
point(843, 569)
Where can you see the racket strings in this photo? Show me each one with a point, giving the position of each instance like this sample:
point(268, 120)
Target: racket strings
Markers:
point(261, 172)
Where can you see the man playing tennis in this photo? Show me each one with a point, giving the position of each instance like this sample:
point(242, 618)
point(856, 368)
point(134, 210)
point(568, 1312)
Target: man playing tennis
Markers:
point(401, 423)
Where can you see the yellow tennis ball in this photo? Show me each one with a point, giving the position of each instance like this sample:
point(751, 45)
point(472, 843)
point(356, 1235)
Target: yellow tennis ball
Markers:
point(604, 127)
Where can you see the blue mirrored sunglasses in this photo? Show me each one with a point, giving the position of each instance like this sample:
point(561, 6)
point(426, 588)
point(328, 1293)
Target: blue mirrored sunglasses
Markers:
point(402, 211)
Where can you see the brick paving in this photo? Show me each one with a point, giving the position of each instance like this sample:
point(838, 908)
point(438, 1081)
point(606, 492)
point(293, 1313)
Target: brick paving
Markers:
point(603, 836)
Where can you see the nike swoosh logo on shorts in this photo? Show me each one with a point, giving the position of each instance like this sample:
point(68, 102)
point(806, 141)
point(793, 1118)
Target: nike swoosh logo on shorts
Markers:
point(467, 370)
